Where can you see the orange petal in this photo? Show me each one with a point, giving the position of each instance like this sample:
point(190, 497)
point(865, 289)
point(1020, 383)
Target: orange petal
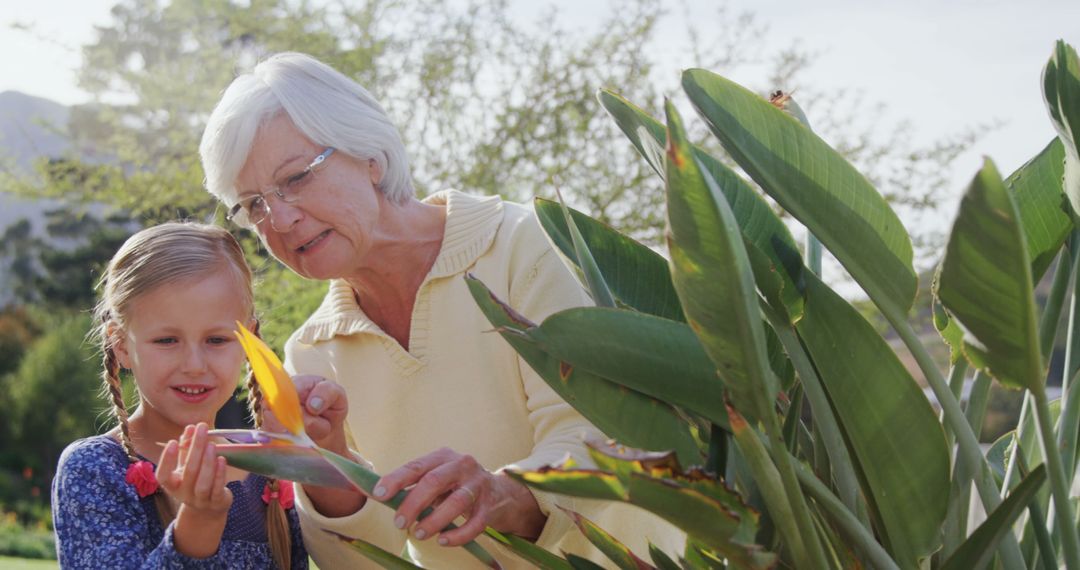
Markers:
point(278, 390)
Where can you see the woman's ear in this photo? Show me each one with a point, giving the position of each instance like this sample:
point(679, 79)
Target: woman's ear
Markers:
point(118, 340)
point(376, 172)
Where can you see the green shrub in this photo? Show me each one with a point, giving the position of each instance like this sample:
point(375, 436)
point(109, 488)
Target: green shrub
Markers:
point(25, 541)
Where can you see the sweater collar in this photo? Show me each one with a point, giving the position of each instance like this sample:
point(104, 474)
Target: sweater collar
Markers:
point(471, 225)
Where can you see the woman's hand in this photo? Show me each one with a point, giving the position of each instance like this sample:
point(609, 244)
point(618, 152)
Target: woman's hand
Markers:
point(455, 485)
point(324, 405)
point(190, 472)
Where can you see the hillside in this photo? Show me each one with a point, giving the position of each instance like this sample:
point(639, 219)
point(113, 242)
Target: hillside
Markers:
point(28, 130)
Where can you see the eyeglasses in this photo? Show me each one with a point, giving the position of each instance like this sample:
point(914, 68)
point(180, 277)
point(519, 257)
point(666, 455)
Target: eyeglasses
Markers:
point(254, 209)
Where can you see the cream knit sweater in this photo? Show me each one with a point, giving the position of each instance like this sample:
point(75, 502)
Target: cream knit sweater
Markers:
point(459, 386)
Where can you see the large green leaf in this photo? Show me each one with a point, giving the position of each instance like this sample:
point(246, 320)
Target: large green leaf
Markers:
point(774, 493)
point(1061, 92)
point(1036, 188)
point(304, 465)
point(616, 551)
point(623, 461)
point(691, 510)
point(580, 563)
point(661, 559)
point(366, 479)
point(583, 259)
point(636, 275)
point(712, 274)
point(977, 551)
point(773, 252)
point(985, 284)
point(627, 415)
point(689, 501)
point(375, 554)
point(812, 182)
point(536, 556)
point(904, 470)
point(950, 332)
point(654, 356)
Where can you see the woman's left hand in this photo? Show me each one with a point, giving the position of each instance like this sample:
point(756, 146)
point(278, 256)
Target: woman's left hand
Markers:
point(456, 485)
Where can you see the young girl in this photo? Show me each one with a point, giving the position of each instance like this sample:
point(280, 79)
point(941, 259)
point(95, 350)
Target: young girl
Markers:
point(171, 298)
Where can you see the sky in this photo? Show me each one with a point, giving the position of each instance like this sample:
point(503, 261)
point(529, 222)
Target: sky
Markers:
point(943, 65)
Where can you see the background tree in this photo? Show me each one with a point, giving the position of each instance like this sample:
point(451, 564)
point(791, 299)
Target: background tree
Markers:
point(55, 398)
point(485, 103)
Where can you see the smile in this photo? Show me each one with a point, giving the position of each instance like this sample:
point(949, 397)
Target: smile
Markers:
point(191, 391)
point(313, 242)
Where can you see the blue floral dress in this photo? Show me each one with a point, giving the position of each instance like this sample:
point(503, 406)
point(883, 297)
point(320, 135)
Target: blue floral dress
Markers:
point(101, 522)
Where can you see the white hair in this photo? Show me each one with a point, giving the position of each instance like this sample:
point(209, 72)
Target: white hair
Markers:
point(325, 105)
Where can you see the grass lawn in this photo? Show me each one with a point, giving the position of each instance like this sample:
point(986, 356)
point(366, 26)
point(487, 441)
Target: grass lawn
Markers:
point(26, 564)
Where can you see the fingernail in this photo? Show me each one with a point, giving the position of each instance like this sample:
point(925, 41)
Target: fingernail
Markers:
point(420, 534)
point(316, 403)
point(381, 491)
point(399, 521)
point(443, 541)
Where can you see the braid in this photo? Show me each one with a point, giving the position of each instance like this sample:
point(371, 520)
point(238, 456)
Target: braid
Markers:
point(255, 398)
point(255, 395)
point(277, 523)
point(110, 375)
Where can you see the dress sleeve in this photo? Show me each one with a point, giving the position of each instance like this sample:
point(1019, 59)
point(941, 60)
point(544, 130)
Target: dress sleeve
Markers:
point(99, 520)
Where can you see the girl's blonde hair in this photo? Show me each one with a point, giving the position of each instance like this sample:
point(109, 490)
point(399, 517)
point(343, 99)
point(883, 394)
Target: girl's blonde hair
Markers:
point(169, 253)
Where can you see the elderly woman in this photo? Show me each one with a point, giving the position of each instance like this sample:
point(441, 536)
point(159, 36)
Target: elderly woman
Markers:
point(309, 160)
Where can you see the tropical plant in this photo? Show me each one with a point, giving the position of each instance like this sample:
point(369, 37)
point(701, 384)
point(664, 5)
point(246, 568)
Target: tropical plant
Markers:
point(843, 463)
point(754, 407)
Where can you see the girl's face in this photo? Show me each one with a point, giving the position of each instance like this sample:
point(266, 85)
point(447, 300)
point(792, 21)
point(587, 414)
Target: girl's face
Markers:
point(179, 345)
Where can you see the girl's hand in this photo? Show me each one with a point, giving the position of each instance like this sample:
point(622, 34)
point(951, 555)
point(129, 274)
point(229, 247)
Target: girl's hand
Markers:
point(192, 473)
point(325, 406)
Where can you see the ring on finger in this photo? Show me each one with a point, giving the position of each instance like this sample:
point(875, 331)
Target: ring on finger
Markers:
point(472, 494)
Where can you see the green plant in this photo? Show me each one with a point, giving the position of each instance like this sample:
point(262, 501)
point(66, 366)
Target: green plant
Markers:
point(758, 410)
point(844, 461)
point(25, 541)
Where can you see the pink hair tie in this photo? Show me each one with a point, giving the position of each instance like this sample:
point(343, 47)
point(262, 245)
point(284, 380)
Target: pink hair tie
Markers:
point(283, 495)
point(141, 475)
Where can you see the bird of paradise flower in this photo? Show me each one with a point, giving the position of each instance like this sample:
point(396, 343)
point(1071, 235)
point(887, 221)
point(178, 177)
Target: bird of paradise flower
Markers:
point(293, 455)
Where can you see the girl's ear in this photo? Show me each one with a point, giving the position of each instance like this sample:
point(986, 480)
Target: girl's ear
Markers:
point(118, 340)
point(252, 325)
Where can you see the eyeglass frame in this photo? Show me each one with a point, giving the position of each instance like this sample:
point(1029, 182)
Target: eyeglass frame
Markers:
point(292, 198)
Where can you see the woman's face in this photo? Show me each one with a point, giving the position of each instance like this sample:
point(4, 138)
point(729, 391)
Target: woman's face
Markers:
point(328, 232)
point(178, 342)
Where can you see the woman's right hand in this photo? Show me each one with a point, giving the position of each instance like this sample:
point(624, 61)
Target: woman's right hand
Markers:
point(324, 405)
